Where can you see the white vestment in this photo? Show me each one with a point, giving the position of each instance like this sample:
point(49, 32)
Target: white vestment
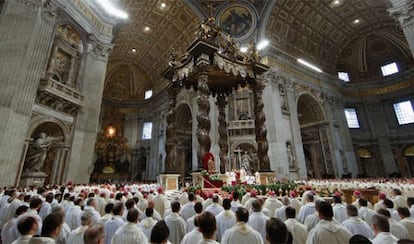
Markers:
point(367, 214)
point(187, 211)
point(358, 226)
point(305, 210)
point(42, 240)
point(76, 236)
point(311, 221)
point(257, 221)
point(397, 229)
point(192, 237)
point(146, 226)
point(176, 225)
point(235, 205)
point(241, 233)
point(22, 239)
point(272, 204)
point(280, 213)
point(111, 227)
point(162, 205)
point(214, 208)
point(340, 213)
point(75, 217)
point(328, 232)
point(298, 231)
point(225, 220)
point(129, 233)
point(385, 237)
point(409, 224)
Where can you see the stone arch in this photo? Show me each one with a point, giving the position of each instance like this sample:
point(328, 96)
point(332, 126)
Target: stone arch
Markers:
point(315, 136)
point(55, 157)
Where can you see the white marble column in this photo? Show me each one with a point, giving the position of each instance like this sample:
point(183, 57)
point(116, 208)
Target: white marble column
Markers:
point(92, 85)
point(403, 11)
point(25, 36)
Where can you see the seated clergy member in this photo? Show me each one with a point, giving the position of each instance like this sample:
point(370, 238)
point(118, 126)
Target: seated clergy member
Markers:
point(241, 232)
point(327, 230)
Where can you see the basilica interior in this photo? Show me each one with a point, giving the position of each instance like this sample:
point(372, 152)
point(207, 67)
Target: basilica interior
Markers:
point(298, 89)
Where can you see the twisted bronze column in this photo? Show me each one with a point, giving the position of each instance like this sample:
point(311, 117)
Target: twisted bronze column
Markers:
point(222, 129)
point(260, 128)
point(204, 124)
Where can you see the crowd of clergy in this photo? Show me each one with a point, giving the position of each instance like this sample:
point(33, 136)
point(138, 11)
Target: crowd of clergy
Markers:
point(144, 213)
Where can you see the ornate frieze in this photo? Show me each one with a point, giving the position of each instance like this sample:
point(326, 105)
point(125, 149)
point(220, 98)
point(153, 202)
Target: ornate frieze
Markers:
point(83, 7)
point(98, 49)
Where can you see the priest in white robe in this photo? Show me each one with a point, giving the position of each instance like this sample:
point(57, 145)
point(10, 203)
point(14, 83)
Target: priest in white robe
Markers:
point(241, 232)
point(225, 220)
point(327, 230)
point(129, 233)
point(407, 221)
point(76, 236)
point(215, 207)
point(382, 231)
point(176, 224)
point(148, 223)
point(115, 222)
point(355, 224)
point(297, 230)
point(258, 219)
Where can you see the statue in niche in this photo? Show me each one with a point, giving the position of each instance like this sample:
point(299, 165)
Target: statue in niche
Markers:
point(283, 100)
point(37, 152)
point(344, 162)
point(293, 163)
point(245, 163)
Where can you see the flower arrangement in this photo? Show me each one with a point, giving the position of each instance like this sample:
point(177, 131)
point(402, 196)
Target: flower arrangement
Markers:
point(204, 172)
point(215, 178)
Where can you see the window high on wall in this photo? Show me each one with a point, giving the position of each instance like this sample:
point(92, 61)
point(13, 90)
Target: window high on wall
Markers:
point(148, 94)
point(404, 112)
point(351, 118)
point(389, 69)
point(147, 131)
point(343, 76)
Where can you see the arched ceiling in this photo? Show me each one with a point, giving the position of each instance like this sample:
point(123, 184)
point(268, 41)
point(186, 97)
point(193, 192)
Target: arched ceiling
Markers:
point(316, 30)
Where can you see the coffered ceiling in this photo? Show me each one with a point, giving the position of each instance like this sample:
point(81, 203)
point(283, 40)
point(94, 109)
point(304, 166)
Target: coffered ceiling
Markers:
point(321, 31)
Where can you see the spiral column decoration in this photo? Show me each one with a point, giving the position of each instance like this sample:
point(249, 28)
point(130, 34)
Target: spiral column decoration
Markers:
point(261, 131)
point(204, 124)
point(222, 129)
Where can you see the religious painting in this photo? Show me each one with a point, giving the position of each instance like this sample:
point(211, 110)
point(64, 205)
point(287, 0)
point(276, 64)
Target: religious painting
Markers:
point(237, 20)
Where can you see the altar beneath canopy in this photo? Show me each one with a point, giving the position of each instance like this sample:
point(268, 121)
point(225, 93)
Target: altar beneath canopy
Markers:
point(214, 67)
